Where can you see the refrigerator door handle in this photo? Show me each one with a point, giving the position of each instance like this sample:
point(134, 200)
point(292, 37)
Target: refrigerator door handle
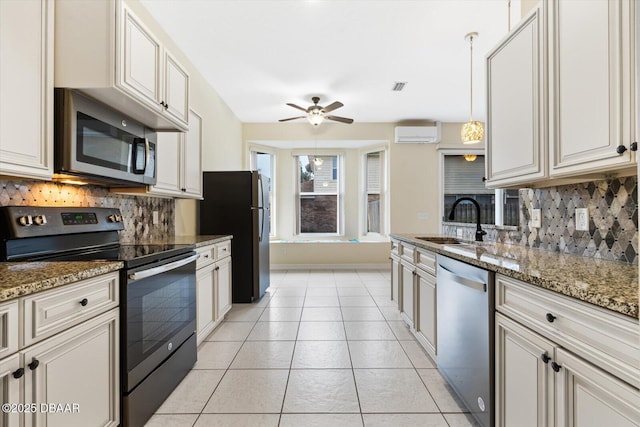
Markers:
point(260, 183)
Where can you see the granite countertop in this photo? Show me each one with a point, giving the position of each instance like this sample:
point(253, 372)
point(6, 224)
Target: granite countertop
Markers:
point(197, 240)
point(18, 279)
point(608, 284)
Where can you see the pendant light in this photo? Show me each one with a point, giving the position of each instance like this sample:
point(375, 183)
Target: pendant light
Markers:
point(472, 131)
point(470, 157)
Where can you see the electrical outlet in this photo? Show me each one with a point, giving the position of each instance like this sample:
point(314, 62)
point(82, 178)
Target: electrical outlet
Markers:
point(536, 218)
point(582, 219)
point(156, 220)
point(423, 215)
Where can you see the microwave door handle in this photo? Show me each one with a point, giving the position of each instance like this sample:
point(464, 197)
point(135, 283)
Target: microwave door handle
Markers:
point(161, 269)
point(147, 154)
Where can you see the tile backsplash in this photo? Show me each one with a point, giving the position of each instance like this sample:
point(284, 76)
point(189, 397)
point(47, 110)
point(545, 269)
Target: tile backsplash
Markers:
point(136, 210)
point(613, 220)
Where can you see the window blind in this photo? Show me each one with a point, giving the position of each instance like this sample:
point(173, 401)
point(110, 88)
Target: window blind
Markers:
point(463, 177)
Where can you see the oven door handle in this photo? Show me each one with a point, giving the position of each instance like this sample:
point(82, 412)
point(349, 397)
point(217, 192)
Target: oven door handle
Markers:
point(162, 269)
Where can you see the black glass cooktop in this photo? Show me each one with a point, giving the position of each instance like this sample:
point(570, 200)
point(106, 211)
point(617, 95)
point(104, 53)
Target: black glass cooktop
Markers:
point(131, 255)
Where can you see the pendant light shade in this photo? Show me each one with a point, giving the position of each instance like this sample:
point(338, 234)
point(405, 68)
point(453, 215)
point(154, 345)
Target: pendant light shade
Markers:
point(473, 131)
point(470, 157)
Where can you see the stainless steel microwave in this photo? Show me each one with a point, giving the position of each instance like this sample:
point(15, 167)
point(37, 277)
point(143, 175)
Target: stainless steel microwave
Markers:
point(95, 143)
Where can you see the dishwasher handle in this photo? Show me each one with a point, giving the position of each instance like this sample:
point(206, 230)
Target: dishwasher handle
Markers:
point(162, 269)
point(478, 286)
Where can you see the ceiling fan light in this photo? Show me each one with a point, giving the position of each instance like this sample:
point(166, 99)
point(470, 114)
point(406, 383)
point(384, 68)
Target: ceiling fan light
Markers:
point(315, 117)
point(472, 132)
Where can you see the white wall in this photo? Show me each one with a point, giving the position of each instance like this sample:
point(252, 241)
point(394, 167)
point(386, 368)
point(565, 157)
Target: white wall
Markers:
point(222, 147)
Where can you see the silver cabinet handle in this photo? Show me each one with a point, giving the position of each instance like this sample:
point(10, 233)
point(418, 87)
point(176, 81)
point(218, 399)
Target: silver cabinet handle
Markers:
point(162, 269)
point(478, 286)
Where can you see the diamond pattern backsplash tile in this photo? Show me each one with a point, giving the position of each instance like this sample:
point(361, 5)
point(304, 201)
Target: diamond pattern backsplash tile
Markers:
point(137, 211)
point(613, 220)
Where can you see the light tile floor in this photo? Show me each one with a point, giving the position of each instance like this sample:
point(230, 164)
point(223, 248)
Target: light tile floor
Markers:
point(321, 348)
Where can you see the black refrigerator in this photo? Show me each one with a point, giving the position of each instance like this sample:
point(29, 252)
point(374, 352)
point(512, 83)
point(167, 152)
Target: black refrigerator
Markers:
point(237, 203)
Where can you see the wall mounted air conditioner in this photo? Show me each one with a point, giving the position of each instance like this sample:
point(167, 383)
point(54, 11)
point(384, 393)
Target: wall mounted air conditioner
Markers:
point(430, 134)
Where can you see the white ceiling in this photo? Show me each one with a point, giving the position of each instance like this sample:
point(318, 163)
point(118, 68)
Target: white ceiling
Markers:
point(260, 54)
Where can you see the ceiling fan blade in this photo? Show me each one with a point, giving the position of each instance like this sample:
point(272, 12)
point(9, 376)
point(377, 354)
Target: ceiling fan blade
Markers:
point(292, 118)
point(333, 106)
point(339, 119)
point(297, 106)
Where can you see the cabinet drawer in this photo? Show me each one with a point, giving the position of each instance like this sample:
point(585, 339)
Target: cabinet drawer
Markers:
point(223, 249)
point(605, 338)
point(426, 260)
point(46, 313)
point(207, 256)
point(395, 247)
point(408, 252)
point(8, 328)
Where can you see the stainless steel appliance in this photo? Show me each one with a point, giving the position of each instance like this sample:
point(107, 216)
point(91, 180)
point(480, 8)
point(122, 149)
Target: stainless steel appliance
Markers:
point(157, 293)
point(465, 334)
point(237, 203)
point(98, 144)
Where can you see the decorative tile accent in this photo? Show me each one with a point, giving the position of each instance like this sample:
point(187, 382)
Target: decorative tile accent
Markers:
point(136, 210)
point(613, 220)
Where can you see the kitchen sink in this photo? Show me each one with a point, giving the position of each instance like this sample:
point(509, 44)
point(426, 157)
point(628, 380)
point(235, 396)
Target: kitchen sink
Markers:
point(440, 240)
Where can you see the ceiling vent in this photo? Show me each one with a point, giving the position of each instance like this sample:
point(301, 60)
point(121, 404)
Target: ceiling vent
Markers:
point(398, 86)
point(429, 134)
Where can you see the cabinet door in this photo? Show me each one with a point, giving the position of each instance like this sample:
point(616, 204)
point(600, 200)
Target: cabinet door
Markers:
point(205, 302)
point(26, 85)
point(192, 166)
point(408, 273)
point(176, 90)
point(589, 397)
point(79, 366)
point(9, 390)
point(223, 287)
point(524, 382)
point(516, 106)
point(395, 280)
point(140, 59)
point(426, 311)
point(591, 85)
point(168, 163)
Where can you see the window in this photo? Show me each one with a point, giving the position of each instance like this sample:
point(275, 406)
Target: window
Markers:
point(264, 163)
point(319, 209)
point(463, 178)
point(373, 195)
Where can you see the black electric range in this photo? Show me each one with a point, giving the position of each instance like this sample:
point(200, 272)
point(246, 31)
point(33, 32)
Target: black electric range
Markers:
point(157, 293)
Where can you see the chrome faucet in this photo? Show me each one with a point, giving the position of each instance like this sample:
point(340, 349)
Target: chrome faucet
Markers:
point(479, 231)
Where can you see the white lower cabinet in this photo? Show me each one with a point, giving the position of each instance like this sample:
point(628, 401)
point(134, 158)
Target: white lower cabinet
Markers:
point(223, 287)
point(213, 287)
point(73, 376)
point(413, 286)
point(426, 311)
point(395, 279)
point(408, 280)
point(70, 378)
point(540, 382)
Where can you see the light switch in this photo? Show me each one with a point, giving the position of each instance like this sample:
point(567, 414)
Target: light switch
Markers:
point(536, 218)
point(582, 219)
point(156, 220)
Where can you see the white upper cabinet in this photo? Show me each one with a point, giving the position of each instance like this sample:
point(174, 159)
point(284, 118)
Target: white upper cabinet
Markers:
point(516, 107)
point(561, 97)
point(105, 50)
point(26, 88)
point(179, 169)
point(592, 74)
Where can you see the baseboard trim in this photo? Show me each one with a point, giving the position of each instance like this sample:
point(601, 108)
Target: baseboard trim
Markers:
point(385, 266)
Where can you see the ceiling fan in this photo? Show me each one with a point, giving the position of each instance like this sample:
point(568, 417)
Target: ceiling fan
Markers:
point(317, 113)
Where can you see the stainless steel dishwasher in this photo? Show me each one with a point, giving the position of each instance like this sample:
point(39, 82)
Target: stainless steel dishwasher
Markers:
point(465, 334)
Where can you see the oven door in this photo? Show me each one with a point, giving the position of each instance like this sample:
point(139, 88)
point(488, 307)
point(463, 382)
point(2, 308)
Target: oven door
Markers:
point(158, 314)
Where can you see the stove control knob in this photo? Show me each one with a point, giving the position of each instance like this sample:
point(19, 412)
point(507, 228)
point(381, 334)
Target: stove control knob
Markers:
point(112, 218)
point(25, 220)
point(39, 220)
point(119, 218)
